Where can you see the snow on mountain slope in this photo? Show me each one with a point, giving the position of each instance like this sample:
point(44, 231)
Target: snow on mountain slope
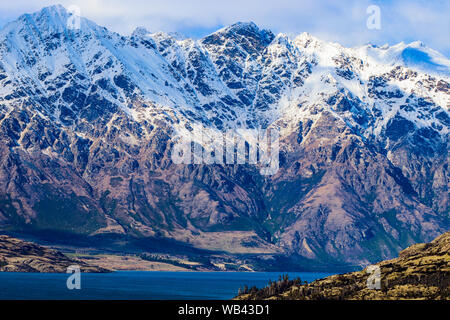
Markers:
point(238, 76)
point(85, 57)
point(87, 118)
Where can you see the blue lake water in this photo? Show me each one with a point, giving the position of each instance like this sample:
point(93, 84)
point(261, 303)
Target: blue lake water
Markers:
point(139, 285)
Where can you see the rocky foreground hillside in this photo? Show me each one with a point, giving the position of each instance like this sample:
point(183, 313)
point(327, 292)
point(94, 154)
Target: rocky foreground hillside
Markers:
point(422, 271)
point(89, 118)
point(21, 256)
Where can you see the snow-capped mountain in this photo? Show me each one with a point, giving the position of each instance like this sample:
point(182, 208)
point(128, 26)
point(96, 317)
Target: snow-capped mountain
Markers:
point(87, 118)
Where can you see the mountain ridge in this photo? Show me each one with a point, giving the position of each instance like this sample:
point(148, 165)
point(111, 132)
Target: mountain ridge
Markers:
point(88, 119)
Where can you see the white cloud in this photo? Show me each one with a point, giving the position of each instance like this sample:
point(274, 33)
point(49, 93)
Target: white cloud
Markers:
point(341, 21)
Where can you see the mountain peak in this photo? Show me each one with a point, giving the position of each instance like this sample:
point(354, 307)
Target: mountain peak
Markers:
point(250, 29)
point(237, 31)
point(418, 56)
point(243, 26)
point(54, 9)
point(49, 19)
point(305, 39)
point(140, 32)
point(55, 13)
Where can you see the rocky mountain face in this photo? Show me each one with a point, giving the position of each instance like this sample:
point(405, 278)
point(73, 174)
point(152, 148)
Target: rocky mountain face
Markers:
point(422, 271)
point(88, 119)
point(21, 256)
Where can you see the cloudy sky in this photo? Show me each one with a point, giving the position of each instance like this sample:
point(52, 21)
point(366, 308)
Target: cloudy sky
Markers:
point(342, 21)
